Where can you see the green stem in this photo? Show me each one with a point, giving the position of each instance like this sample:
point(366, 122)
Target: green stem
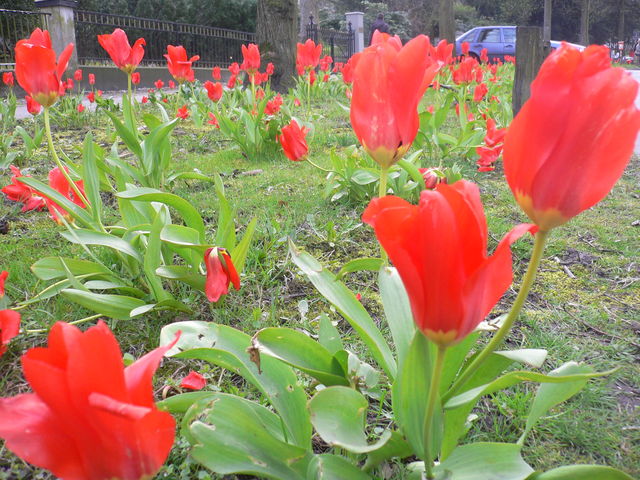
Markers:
point(253, 90)
point(434, 390)
point(527, 282)
point(382, 191)
point(129, 93)
point(309, 95)
point(56, 159)
point(318, 166)
point(76, 322)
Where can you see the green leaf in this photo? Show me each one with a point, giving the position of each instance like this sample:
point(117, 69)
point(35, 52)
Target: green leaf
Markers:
point(529, 356)
point(183, 274)
point(338, 415)
point(233, 435)
point(348, 306)
point(182, 402)
point(396, 446)
point(326, 466)
point(413, 172)
point(581, 472)
point(227, 347)
point(551, 394)
point(300, 351)
point(360, 264)
point(364, 177)
point(91, 177)
point(397, 310)
point(410, 392)
point(513, 378)
point(84, 236)
point(328, 336)
point(114, 306)
point(188, 176)
point(240, 251)
point(128, 137)
point(50, 268)
point(153, 256)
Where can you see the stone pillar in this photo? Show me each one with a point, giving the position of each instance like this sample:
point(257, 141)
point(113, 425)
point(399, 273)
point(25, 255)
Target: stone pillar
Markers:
point(357, 24)
point(61, 26)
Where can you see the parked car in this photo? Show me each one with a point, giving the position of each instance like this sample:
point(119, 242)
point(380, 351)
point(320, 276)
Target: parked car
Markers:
point(498, 40)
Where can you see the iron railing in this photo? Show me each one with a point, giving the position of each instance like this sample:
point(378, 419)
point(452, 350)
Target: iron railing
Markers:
point(340, 45)
point(216, 46)
point(15, 25)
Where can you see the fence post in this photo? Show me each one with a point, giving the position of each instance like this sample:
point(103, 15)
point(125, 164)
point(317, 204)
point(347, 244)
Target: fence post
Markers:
point(529, 56)
point(350, 40)
point(312, 30)
point(356, 19)
point(61, 26)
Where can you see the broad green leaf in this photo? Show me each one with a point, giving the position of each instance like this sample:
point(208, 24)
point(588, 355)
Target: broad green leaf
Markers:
point(114, 284)
point(188, 212)
point(328, 335)
point(91, 177)
point(581, 472)
point(84, 236)
point(233, 435)
point(513, 378)
point(481, 461)
point(130, 139)
point(397, 310)
point(114, 306)
point(153, 256)
point(326, 466)
point(454, 358)
point(396, 446)
point(240, 251)
point(300, 351)
point(551, 394)
point(183, 274)
point(50, 268)
point(182, 402)
point(364, 177)
point(529, 356)
point(227, 347)
point(413, 172)
point(338, 415)
point(188, 176)
point(360, 264)
point(348, 306)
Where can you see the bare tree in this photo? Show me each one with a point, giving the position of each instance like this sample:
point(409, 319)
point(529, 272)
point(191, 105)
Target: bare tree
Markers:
point(276, 32)
point(446, 21)
point(307, 8)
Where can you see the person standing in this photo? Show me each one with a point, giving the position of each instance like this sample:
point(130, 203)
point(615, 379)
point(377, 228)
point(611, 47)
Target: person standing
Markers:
point(637, 53)
point(380, 25)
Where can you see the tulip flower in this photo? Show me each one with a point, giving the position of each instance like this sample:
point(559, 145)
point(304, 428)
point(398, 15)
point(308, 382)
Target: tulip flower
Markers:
point(573, 138)
point(178, 64)
point(234, 68)
point(17, 191)
point(145, 99)
point(135, 78)
point(308, 55)
point(389, 81)
point(88, 418)
point(440, 250)
point(270, 69)
point(215, 73)
point(33, 107)
point(81, 108)
point(214, 90)
point(91, 96)
point(479, 92)
point(92, 79)
point(348, 69)
point(58, 182)
point(69, 84)
point(220, 273)
point(465, 72)
point(193, 381)
point(3, 277)
point(464, 48)
point(273, 106)
point(325, 63)
point(126, 57)
point(213, 120)
point(442, 52)
point(183, 112)
point(484, 55)
point(36, 69)
point(77, 75)
point(9, 328)
point(172, 84)
point(159, 84)
point(250, 59)
point(231, 82)
point(7, 79)
point(293, 141)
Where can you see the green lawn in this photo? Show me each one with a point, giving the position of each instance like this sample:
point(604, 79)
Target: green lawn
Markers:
point(584, 307)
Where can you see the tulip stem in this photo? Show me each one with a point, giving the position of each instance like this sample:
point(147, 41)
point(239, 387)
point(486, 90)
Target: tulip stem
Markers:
point(434, 390)
point(527, 282)
point(309, 95)
point(318, 166)
point(382, 191)
point(76, 322)
point(56, 159)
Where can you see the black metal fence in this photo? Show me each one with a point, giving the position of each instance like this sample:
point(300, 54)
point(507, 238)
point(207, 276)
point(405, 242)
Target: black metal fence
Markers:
point(216, 46)
point(15, 25)
point(340, 45)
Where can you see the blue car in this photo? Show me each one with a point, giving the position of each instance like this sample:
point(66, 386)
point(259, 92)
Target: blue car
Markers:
point(498, 40)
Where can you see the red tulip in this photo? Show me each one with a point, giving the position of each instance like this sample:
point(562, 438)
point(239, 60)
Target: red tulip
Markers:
point(293, 141)
point(81, 108)
point(58, 182)
point(220, 273)
point(431, 178)
point(270, 69)
point(77, 75)
point(442, 52)
point(250, 58)
point(172, 84)
point(159, 84)
point(348, 69)
point(178, 64)
point(214, 90)
point(273, 106)
point(145, 99)
point(440, 250)
point(69, 84)
point(479, 92)
point(484, 57)
point(308, 55)
point(183, 112)
point(325, 63)
point(126, 57)
point(33, 107)
point(464, 48)
point(193, 381)
point(234, 68)
point(465, 72)
point(135, 78)
point(7, 79)
point(573, 138)
point(91, 96)
point(36, 68)
point(89, 418)
point(213, 120)
point(215, 73)
point(231, 82)
point(92, 79)
point(9, 328)
point(312, 77)
point(388, 83)
point(19, 192)
point(3, 277)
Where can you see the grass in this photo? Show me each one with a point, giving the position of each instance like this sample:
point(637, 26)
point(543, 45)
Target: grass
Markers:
point(584, 305)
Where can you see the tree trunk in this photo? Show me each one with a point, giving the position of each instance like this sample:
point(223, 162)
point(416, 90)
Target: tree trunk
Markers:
point(546, 26)
point(276, 33)
point(446, 21)
point(307, 8)
point(584, 23)
point(621, 20)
